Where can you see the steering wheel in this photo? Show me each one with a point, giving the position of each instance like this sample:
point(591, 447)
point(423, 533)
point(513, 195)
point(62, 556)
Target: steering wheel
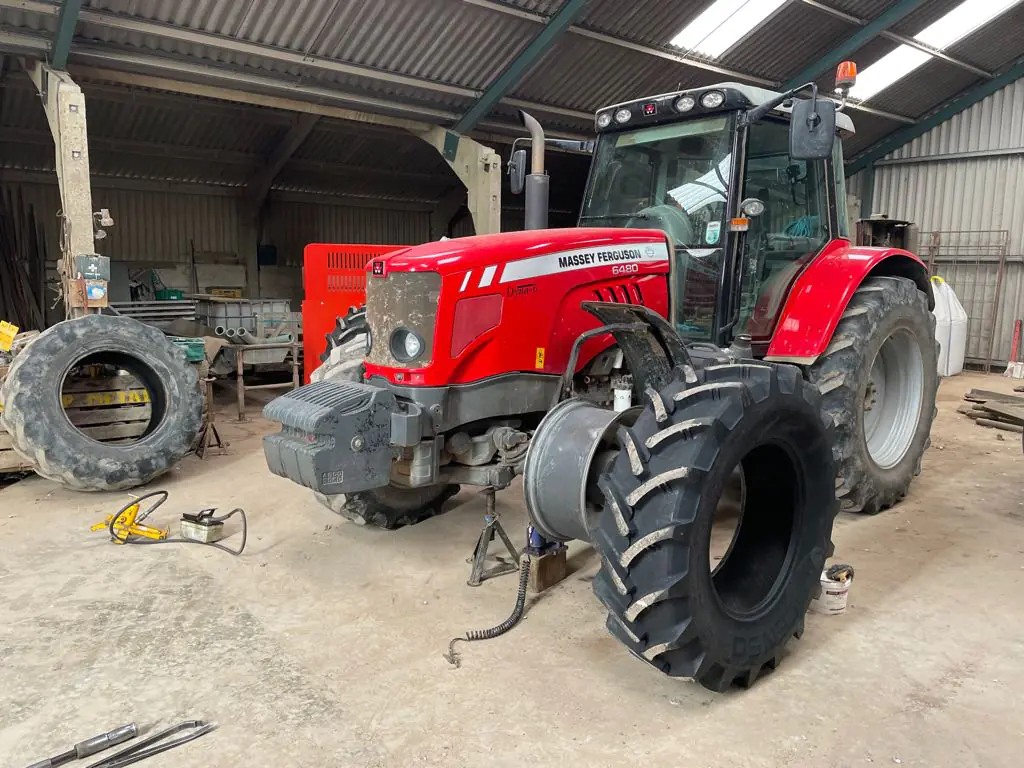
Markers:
point(668, 218)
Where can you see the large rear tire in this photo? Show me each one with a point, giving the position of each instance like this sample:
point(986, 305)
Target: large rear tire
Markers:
point(389, 507)
point(42, 432)
point(665, 601)
point(878, 380)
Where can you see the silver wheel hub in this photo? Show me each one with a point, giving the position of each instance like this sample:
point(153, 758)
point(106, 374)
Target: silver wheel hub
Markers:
point(893, 399)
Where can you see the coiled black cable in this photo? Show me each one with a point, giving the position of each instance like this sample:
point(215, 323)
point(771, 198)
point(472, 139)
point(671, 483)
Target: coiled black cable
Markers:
point(487, 634)
point(164, 496)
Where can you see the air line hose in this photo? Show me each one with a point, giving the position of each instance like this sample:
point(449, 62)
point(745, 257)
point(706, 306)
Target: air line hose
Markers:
point(473, 635)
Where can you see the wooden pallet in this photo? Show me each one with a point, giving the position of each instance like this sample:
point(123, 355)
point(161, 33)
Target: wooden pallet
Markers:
point(108, 409)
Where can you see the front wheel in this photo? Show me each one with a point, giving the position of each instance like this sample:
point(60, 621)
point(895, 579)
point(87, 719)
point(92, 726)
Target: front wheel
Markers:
point(878, 380)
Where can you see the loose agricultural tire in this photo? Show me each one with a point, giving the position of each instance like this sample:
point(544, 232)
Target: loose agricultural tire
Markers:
point(664, 601)
point(886, 334)
point(389, 507)
point(41, 432)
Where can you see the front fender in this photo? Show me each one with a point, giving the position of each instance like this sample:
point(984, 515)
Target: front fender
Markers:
point(821, 292)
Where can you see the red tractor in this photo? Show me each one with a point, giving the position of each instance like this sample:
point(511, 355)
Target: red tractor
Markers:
point(710, 323)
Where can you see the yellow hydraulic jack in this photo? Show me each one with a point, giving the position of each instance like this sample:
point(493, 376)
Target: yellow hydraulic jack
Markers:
point(128, 521)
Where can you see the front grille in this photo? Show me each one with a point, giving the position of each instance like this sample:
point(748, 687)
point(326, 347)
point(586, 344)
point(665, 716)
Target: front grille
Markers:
point(402, 300)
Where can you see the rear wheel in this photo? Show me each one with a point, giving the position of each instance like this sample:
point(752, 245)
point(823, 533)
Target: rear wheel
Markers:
point(389, 507)
point(669, 601)
point(878, 380)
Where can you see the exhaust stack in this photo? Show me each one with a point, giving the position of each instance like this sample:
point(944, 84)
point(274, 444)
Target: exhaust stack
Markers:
point(537, 182)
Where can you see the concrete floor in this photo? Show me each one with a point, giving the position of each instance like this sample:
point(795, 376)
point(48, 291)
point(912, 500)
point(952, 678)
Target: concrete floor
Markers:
point(322, 645)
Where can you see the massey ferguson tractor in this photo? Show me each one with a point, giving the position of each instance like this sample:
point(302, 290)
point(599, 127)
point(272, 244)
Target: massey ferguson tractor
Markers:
point(708, 323)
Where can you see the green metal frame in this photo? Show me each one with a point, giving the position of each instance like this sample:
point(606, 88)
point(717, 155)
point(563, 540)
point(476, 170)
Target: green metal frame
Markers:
point(853, 43)
point(508, 79)
point(969, 98)
point(66, 23)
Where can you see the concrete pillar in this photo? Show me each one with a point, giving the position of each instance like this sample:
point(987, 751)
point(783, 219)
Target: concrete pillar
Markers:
point(479, 169)
point(65, 112)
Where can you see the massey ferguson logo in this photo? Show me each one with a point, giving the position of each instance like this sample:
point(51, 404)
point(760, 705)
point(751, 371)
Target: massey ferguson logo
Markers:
point(599, 257)
point(378, 269)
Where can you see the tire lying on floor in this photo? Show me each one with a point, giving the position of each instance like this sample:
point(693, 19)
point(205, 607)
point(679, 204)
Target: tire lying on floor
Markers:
point(668, 601)
point(41, 432)
point(390, 507)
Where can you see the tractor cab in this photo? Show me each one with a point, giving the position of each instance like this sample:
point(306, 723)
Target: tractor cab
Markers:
point(747, 185)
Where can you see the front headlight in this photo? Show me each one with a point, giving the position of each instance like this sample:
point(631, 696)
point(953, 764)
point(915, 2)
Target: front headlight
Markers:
point(406, 345)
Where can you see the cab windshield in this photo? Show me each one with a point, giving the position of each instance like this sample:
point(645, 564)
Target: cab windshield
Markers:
point(671, 177)
point(675, 178)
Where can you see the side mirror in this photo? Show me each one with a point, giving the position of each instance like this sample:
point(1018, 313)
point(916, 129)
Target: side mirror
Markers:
point(517, 171)
point(812, 129)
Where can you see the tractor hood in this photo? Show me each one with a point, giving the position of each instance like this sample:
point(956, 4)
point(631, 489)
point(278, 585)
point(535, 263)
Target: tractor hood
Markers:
point(601, 245)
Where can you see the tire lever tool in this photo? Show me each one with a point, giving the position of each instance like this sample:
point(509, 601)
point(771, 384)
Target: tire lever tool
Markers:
point(90, 746)
point(146, 748)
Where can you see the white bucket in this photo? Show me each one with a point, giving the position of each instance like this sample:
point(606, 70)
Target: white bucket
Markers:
point(832, 600)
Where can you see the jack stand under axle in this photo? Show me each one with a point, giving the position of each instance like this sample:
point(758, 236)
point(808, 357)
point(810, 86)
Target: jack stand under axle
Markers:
point(479, 573)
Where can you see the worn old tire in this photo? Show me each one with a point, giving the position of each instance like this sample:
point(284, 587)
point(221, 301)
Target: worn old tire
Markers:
point(389, 507)
point(41, 432)
point(887, 314)
point(665, 604)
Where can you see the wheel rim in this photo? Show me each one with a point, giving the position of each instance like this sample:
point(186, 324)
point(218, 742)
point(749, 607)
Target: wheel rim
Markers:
point(893, 398)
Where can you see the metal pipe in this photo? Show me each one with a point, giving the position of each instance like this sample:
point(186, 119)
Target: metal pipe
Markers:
point(220, 330)
point(537, 140)
point(231, 333)
point(537, 182)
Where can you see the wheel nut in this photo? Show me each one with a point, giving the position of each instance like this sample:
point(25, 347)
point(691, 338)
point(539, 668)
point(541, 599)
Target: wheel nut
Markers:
point(358, 443)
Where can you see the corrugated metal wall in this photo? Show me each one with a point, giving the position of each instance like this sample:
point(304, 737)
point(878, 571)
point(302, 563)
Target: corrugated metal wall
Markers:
point(967, 194)
point(291, 226)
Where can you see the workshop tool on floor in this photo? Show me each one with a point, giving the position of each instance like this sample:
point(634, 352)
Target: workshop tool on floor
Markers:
point(146, 748)
point(90, 746)
point(479, 572)
point(127, 522)
point(203, 527)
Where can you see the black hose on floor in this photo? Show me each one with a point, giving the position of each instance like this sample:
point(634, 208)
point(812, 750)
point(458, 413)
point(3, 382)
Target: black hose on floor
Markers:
point(514, 618)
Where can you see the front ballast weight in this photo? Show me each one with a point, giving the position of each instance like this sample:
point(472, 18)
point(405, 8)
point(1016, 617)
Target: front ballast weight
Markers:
point(644, 487)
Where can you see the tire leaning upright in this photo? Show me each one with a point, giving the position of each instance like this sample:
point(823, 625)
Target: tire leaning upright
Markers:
point(665, 601)
point(41, 432)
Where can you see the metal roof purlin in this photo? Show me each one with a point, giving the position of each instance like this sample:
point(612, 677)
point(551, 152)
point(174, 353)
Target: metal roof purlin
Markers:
point(854, 42)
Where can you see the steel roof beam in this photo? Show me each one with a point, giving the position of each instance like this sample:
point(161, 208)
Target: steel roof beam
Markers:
point(258, 185)
point(522, 64)
point(853, 43)
point(66, 22)
point(967, 99)
point(898, 38)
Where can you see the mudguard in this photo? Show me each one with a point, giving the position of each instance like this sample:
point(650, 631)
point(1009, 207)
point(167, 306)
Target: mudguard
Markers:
point(820, 294)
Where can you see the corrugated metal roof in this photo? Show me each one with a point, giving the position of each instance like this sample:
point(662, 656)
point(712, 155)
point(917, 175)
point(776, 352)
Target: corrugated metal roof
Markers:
point(769, 51)
point(651, 22)
point(915, 94)
point(996, 45)
point(461, 46)
point(585, 74)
